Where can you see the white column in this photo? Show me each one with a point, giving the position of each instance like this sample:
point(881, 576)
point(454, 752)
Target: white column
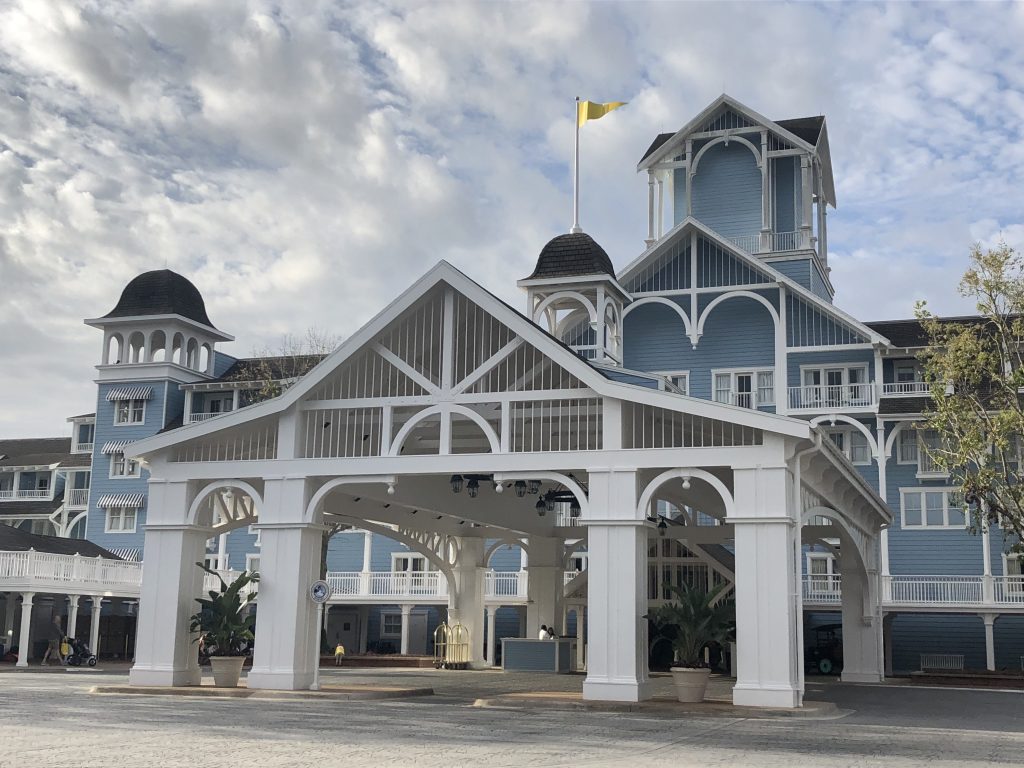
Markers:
point(661, 205)
point(863, 649)
point(806, 201)
point(766, 205)
point(650, 209)
point(689, 179)
point(887, 622)
point(492, 642)
point(544, 584)
point(580, 639)
point(364, 627)
point(9, 621)
point(406, 613)
point(188, 406)
point(616, 590)
point(222, 552)
point(466, 606)
point(94, 636)
point(987, 582)
point(164, 651)
point(73, 614)
point(24, 649)
point(990, 640)
point(768, 597)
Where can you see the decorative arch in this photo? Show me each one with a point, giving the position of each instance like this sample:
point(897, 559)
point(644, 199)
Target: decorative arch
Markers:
point(736, 295)
point(894, 435)
point(724, 140)
point(503, 543)
point(689, 474)
point(445, 411)
point(137, 347)
point(205, 358)
point(157, 346)
point(557, 477)
point(191, 353)
point(666, 302)
point(114, 349)
point(851, 534)
point(838, 417)
point(576, 317)
point(236, 521)
point(314, 505)
point(547, 302)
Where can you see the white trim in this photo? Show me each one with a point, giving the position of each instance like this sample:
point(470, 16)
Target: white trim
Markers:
point(923, 525)
point(126, 462)
point(131, 411)
point(673, 374)
point(754, 373)
point(249, 557)
point(120, 516)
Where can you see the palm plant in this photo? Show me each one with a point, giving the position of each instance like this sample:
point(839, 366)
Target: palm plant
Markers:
point(222, 621)
point(697, 619)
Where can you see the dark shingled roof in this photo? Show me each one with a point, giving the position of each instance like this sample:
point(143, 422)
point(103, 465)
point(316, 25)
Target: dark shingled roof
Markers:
point(902, 405)
point(660, 139)
point(910, 333)
point(273, 368)
point(161, 292)
point(806, 128)
point(571, 255)
point(14, 539)
point(40, 451)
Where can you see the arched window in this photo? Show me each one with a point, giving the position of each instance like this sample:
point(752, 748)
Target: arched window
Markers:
point(192, 354)
point(113, 354)
point(178, 349)
point(137, 347)
point(157, 347)
point(205, 355)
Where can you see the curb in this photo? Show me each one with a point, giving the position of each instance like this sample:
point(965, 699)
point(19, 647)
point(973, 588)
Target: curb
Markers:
point(209, 691)
point(823, 710)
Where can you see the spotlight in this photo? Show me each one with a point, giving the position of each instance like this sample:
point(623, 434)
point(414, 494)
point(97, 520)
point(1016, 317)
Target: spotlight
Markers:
point(520, 487)
point(498, 488)
point(686, 483)
point(456, 482)
point(439, 517)
point(391, 489)
point(473, 488)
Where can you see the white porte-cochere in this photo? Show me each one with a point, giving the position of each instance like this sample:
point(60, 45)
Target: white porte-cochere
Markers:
point(449, 381)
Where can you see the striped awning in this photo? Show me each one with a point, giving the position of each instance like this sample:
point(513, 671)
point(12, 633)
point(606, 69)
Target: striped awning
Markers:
point(114, 446)
point(130, 393)
point(131, 554)
point(122, 500)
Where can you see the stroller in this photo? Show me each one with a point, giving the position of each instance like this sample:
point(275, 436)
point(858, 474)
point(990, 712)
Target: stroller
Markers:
point(80, 653)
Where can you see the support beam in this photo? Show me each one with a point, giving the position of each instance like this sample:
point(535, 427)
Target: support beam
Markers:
point(73, 614)
point(990, 640)
point(24, 647)
point(863, 648)
point(466, 604)
point(94, 636)
point(406, 618)
point(492, 641)
point(543, 584)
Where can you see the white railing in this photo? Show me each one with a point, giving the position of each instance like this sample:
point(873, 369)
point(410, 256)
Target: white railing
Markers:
point(42, 570)
point(1008, 589)
point(766, 396)
point(749, 243)
point(82, 448)
point(564, 518)
point(785, 241)
point(212, 584)
point(194, 417)
point(823, 589)
point(77, 497)
point(423, 584)
point(935, 590)
point(505, 584)
point(831, 396)
point(895, 389)
point(23, 495)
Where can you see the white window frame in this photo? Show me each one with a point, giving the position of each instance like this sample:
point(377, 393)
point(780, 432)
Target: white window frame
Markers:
point(120, 516)
point(126, 463)
point(923, 473)
point(411, 556)
point(924, 526)
point(384, 616)
point(899, 365)
point(823, 583)
point(822, 369)
point(848, 432)
point(755, 389)
point(131, 412)
point(673, 375)
point(908, 429)
point(249, 558)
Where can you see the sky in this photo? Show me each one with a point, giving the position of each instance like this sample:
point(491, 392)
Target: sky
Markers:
point(304, 162)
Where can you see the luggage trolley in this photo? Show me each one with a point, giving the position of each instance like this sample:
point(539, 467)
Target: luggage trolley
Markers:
point(451, 646)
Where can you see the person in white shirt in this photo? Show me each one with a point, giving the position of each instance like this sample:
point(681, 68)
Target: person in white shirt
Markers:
point(543, 634)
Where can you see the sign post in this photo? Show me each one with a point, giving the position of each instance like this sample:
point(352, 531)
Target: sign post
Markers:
point(319, 593)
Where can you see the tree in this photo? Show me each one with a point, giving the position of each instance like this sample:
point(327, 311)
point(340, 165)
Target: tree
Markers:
point(976, 372)
point(277, 369)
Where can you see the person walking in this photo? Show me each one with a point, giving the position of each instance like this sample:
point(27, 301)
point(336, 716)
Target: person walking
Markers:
point(56, 636)
point(339, 654)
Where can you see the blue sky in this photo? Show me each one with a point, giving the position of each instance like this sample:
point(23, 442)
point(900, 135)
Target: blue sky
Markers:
point(302, 162)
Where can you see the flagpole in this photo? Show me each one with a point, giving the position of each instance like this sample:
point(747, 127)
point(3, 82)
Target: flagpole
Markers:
point(576, 174)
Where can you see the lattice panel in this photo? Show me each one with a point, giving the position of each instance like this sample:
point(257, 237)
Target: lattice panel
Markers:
point(645, 426)
point(526, 370)
point(253, 442)
point(367, 374)
point(668, 272)
point(340, 433)
point(557, 425)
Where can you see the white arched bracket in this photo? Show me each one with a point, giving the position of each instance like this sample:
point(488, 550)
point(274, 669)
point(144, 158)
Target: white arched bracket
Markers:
point(833, 418)
point(495, 546)
point(233, 516)
point(560, 295)
point(314, 507)
point(894, 435)
point(686, 475)
point(736, 295)
point(724, 140)
point(445, 411)
point(574, 487)
point(667, 303)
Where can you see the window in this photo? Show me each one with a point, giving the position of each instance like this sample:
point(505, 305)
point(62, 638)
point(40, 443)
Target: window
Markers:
point(835, 386)
point(123, 467)
point(121, 519)
point(403, 563)
point(252, 563)
point(391, 625)
point(220, 404)
point(906, 372)
point(747, 389)
point(680, 379)
point(130, 412)
point(931, 508)
point(852, 442)
point(906, 447)
point(822, 573)
point(929, 439)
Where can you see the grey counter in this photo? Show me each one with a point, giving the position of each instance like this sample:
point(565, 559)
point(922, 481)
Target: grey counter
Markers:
point(524, 655)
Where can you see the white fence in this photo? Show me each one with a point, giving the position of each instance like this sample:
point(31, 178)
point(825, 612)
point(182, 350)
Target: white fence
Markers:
point(10, 494)
point(194, 417)
point(42, 571)
point(895, 389)
point(505, 584)
point(77, 497)
point(825, 589)
point(925, 591)
point(831, 396)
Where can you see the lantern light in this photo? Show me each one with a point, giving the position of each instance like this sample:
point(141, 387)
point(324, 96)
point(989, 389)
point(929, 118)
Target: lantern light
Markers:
point(456, 482)
point(520, 487)
point(473, 488)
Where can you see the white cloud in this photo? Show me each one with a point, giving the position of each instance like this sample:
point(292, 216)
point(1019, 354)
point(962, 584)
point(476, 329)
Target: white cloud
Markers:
point(303, 161)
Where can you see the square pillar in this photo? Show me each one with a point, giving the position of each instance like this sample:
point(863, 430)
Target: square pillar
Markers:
point(990, 640)
point(863, 646)
point(492, 641)
point(73, 614)
point(364, 627)
point(404, 644)
point(466, 606)
point(616, 590)
point(94, 643)
point(24, 647)
point(164, 651)
point(543, 584)
point(768, 599)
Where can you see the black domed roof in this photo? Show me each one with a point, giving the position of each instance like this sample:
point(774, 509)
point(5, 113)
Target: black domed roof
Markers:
point(161, 292)
point(570, 255)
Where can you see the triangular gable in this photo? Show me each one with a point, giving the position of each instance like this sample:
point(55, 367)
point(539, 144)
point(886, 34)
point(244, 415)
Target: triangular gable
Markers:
point(681, 232)
point(723, 105)
point(531, 360)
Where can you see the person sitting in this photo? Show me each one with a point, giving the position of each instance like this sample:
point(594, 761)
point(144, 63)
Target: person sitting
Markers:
point(544, 634)
point(339, 654)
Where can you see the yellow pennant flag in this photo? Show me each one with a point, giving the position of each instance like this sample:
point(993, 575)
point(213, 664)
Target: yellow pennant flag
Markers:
point(592, 110)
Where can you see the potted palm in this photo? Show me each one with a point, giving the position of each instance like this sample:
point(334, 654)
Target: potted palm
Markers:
point(225, 626)
point(695, 620)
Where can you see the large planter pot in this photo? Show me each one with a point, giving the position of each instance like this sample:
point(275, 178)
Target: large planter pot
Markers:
point(690, 683)
point(226, 670)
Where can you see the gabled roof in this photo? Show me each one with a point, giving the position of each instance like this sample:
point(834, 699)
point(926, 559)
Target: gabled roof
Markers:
point(40, 452)
point(15, 540)
point(275, 368)
point(445, 273)
point(658, 248)
point(911, 334)
point(808, 133)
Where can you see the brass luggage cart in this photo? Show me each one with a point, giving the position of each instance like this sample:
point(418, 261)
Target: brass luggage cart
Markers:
point(451, 646)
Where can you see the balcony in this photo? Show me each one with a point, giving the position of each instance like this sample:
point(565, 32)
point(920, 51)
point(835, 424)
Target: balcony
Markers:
point(10, 494)
point(906, 389)
point(833, 397)
point(81, 448)
point(763, 397)
point(778, 242)
point(194, 418)
point(33, 571)
point(823, 589)
point(924, 592)
point(76, 497)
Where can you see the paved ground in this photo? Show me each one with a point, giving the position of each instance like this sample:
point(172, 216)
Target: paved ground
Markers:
point(50, 719)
